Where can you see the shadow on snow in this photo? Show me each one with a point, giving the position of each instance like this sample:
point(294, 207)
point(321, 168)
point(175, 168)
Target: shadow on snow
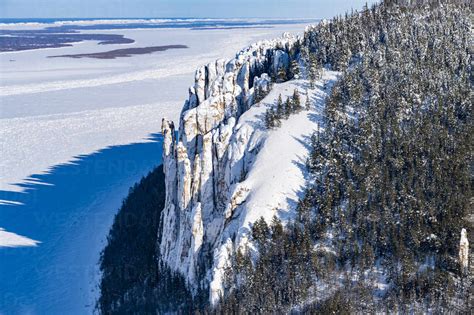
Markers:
point(69, 210)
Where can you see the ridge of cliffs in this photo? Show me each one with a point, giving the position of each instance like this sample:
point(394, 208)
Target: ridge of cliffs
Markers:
point(209, 155)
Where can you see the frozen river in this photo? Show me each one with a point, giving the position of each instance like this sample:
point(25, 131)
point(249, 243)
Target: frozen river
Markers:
point(75, 134)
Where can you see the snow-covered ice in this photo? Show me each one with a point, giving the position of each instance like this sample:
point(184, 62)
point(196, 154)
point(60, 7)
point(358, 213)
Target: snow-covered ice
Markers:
point(75, 134)
point(34, 87)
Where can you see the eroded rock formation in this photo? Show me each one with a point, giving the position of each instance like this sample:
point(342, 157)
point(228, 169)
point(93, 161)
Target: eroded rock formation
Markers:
point(208, 158)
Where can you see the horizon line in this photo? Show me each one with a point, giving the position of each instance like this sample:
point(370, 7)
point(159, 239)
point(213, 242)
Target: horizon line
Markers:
point(175, 17)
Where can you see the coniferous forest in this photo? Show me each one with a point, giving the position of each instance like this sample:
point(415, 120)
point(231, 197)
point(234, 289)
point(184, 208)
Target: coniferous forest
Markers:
point(379, 227)
point(133, 282)
point(390, 186)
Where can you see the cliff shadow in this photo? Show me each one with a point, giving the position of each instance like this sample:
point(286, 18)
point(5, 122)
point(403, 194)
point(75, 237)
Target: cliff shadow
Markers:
point(70, 210)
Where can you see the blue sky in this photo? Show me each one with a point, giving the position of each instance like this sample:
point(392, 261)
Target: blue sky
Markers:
point(177, 8)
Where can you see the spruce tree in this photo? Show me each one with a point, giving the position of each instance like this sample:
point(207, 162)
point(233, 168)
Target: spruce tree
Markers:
point(269, 119)
point(296, 102)
point(260, 231)
point(276, 118)
point(313, 71)
point(295, 69)
point(280, 110)
point(308, 102)
point(287, 108)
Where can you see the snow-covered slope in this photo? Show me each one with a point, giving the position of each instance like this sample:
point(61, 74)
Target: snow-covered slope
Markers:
point(225, 170)
point(276, 175)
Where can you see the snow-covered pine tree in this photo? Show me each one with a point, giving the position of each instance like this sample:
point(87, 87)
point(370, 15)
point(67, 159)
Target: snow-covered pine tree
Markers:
point(276, 118)
point(307, 103)
point(280, 110)
point(295, 69)
point(271, 118)
point(268, 119)
point(314, 71)
point(287, 106)
point(296, 102)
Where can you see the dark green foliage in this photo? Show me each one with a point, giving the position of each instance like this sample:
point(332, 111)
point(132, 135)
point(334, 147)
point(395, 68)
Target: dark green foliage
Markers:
point(287, 108)
point(260, 231)
point(259, 94)
point(275, 281)
point(296, 102)
point(132, 281)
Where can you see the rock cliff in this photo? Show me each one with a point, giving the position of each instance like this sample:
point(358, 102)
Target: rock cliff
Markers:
point(208, 157)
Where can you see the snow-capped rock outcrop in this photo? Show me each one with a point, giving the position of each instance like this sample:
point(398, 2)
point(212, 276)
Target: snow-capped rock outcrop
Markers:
point(206, 162)
point(464, 251)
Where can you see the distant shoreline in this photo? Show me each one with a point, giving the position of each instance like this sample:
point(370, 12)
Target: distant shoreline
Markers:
point(121, 53)
point(32, 34)
point(228, 28)
point(21, 40)
point(140, 20)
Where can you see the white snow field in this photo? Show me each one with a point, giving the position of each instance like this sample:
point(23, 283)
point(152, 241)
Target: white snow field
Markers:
point(75, 134)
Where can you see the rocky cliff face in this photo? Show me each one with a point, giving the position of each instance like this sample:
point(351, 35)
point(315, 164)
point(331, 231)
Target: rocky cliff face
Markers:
point(207, 159)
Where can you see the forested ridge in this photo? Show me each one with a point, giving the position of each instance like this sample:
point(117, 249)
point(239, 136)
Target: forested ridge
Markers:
point(380, 223)
point(390, 186)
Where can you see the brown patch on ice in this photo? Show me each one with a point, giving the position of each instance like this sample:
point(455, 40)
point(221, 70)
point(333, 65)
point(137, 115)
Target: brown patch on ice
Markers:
point(126, 52)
